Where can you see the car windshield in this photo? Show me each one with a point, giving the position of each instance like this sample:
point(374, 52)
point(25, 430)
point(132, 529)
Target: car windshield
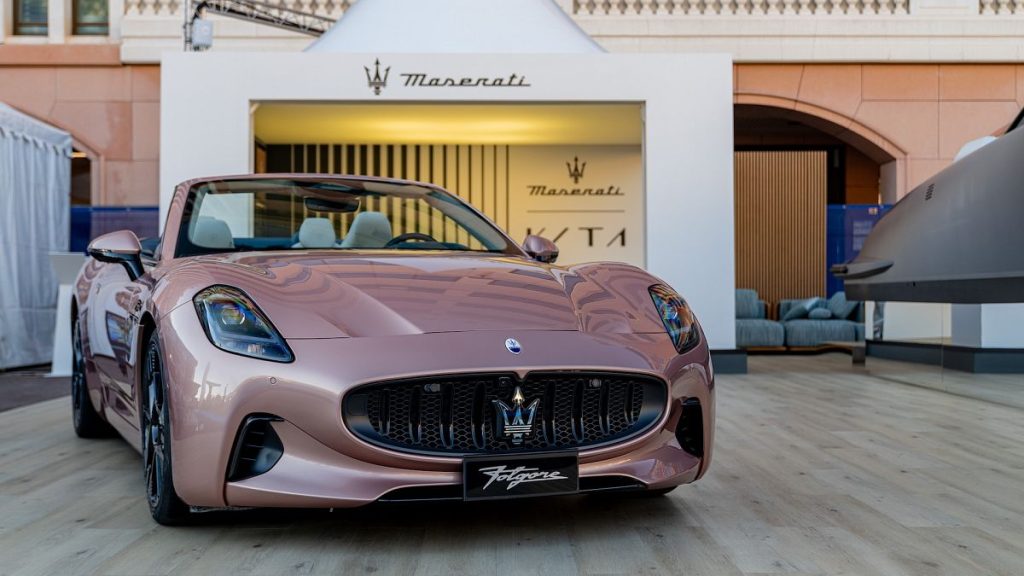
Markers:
point(330, 214)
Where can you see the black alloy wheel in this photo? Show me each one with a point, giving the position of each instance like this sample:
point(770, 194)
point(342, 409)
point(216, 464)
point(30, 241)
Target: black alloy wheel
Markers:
point(87, 422)
point(155, 422)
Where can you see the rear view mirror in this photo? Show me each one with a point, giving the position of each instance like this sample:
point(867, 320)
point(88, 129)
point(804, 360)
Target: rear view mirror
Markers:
point(540, 249)
point(342, 204)
point(121, 247)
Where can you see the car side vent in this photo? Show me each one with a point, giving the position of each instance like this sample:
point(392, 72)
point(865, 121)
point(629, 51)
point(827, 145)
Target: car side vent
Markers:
point(257, 448)
point(929, 192)
point(690, 430)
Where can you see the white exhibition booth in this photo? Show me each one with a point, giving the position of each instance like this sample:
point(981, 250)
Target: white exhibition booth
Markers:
point(668, 188)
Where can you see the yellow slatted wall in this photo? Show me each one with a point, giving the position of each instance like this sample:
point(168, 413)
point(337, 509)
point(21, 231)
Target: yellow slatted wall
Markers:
point(781, 199)
point(477, 174)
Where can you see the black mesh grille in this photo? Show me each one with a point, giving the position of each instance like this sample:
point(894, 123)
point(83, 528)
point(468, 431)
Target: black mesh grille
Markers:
point(458, 414)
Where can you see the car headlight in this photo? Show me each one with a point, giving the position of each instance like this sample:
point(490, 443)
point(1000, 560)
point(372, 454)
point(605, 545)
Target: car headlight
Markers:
point(677, 317)
point(235, 324)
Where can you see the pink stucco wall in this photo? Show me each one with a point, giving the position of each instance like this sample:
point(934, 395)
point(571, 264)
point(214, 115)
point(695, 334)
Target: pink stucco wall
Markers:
point(111, 110)
point(915, 115)
point(919, 115)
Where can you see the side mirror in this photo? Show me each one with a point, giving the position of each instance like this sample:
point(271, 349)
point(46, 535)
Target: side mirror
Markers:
point(540, 249)
point(121, 247)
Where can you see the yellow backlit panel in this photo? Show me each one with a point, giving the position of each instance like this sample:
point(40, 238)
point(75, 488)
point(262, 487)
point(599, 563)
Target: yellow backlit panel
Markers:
point(537, 124)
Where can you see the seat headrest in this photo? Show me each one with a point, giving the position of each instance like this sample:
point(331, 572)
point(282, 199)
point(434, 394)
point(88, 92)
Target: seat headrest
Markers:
point(368, 230)
point(212, 233)
point(317, 233)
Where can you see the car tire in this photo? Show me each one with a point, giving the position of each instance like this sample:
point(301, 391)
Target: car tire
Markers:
point(87, 421)
point(155, 424)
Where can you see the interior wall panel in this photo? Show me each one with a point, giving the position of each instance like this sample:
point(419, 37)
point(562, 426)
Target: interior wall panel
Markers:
point(781, 199)
point(476, 173)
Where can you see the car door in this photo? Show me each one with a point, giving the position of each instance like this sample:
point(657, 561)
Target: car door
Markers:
point(116, 307)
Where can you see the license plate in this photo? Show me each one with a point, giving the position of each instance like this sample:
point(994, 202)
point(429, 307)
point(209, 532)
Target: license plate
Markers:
point(520, 475)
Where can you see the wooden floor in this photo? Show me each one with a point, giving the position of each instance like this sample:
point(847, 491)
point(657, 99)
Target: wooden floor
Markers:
point(30, 385)
point(820, 468)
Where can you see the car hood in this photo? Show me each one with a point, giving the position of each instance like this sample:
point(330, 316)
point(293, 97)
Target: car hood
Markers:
point(326, 294)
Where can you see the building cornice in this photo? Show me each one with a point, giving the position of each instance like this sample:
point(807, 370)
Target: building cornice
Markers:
point(60, 55)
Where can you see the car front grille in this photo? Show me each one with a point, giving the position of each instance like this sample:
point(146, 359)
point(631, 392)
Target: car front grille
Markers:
point(464, 414)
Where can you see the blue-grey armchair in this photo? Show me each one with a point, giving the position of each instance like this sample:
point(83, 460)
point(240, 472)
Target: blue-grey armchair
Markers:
point(753, 329)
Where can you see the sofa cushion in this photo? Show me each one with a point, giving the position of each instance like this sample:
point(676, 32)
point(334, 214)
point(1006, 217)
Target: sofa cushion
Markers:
point(815, 332)
point(759, 332)
point(801, 308)
point(747, 304)
point(840, 307)
point(819, 314)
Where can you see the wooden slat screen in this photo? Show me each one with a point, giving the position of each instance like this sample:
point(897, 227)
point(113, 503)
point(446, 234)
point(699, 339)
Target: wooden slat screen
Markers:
point(477, 174)
point(781, 201)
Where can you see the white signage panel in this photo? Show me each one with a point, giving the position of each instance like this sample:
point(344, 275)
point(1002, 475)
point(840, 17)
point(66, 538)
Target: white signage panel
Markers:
point(586, 199)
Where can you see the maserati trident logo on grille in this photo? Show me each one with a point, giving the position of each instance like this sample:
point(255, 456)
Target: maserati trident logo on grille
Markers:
point(516, 421)
point(513, 346)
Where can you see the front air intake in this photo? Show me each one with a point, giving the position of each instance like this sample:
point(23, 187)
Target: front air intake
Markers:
point(257, 448)
point(690, 430)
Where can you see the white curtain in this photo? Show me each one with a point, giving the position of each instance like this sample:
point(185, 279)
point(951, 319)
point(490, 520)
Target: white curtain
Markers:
point(35, 188)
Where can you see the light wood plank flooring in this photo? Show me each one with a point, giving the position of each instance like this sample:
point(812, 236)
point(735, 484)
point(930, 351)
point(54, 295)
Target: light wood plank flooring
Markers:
point(820, 468)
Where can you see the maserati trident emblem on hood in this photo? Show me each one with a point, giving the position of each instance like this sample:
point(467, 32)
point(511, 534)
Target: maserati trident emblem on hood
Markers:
point(516, 421)
point(513, 346)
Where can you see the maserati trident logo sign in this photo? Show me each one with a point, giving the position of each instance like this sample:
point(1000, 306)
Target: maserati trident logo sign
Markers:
point(376, 81)
point(516, 421)
point(575, 170)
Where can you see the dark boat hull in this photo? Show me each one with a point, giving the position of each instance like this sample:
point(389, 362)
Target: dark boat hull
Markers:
point(958, 237)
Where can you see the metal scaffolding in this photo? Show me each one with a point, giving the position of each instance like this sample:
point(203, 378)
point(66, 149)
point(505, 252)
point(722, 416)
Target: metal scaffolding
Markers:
point(275, 15)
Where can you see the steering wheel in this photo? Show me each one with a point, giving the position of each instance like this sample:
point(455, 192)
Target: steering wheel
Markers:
point(401, 238)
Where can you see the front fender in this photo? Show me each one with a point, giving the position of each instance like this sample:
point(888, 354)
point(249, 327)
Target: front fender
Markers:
point(614, 297)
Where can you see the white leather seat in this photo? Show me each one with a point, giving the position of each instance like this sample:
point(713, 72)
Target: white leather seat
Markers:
point(212, 233)
point(368, 230)
point(316, 233)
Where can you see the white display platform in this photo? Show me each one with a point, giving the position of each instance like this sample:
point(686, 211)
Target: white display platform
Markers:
point(66, 266)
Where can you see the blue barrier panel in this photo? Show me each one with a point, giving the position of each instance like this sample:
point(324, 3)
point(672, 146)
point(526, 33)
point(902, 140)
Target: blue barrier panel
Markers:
point(88, 222)
point(847, 227)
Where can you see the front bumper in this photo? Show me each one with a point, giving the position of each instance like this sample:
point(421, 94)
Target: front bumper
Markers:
point(325, 465)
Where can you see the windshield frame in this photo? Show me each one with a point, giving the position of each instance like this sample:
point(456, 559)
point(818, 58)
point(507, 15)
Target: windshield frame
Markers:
point(184, 247)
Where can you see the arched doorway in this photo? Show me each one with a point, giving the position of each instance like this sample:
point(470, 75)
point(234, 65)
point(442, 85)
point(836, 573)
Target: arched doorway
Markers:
point(81, 178)
point(86, 180)
point(809, 184)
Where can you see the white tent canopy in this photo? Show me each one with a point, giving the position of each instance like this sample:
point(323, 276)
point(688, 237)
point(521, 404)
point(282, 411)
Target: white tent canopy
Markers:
point(455, 26)
point(35, 181)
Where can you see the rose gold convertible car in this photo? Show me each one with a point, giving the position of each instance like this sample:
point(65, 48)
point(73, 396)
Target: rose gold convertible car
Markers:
point(331, 341)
